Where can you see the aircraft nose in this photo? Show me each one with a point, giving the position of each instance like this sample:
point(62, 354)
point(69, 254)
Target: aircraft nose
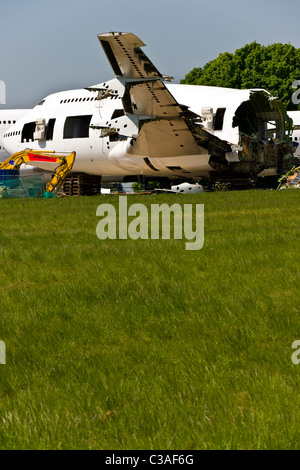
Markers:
point(10, 141)
point(6, 144)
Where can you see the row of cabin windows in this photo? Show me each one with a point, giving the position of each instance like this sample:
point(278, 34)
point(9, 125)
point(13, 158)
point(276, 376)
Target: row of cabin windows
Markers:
point(77, 100)
point(7, 122)
point(10, 134)
point(76, 127)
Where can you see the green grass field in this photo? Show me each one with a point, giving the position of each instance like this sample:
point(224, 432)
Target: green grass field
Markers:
point(123, 344)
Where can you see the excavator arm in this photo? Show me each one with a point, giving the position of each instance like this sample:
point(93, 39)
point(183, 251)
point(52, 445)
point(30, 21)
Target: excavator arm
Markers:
point(65, 165)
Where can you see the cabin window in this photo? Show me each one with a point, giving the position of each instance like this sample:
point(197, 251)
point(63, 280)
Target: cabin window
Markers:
point(77, 127)
point(50, 129)
point(219, 119)
point(28, 131)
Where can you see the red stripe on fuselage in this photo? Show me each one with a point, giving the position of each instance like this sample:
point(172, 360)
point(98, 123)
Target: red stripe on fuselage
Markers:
point(33, 158)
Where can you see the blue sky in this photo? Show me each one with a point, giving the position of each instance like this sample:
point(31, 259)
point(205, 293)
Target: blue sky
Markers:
point(49, 46)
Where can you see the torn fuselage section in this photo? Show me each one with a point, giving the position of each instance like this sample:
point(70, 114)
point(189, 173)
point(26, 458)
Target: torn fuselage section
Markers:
point(264, 135)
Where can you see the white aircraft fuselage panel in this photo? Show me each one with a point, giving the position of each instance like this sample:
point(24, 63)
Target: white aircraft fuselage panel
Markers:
point(8, 117)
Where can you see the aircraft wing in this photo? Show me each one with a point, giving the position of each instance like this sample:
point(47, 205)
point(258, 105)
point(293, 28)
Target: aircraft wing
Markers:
point(167, 128)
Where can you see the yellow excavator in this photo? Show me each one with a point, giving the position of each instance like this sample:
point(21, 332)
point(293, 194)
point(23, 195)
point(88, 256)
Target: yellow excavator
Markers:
point(30, 156)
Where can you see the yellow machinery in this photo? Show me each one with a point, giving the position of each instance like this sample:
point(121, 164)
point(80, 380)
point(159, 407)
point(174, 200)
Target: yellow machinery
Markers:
point(291, 179)
point(30, 156)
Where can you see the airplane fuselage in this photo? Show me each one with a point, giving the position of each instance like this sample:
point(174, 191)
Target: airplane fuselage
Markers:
point(137, 124)
point(77, 120)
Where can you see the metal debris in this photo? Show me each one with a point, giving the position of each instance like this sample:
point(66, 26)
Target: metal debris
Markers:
point(291, 180)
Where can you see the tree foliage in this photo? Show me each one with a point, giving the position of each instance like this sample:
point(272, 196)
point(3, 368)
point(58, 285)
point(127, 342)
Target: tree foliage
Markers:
point(274, 68)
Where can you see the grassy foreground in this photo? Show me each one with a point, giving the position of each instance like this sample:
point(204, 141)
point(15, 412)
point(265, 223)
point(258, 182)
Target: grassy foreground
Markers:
point(142, 345)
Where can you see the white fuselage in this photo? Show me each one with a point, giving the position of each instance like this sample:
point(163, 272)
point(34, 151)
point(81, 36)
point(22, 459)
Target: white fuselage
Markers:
point(8, 118)
point(74, 121)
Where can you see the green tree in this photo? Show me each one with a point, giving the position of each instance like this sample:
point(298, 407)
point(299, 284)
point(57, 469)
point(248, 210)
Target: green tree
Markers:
point(274, 68)
point(137, 187)
point(148, 186)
